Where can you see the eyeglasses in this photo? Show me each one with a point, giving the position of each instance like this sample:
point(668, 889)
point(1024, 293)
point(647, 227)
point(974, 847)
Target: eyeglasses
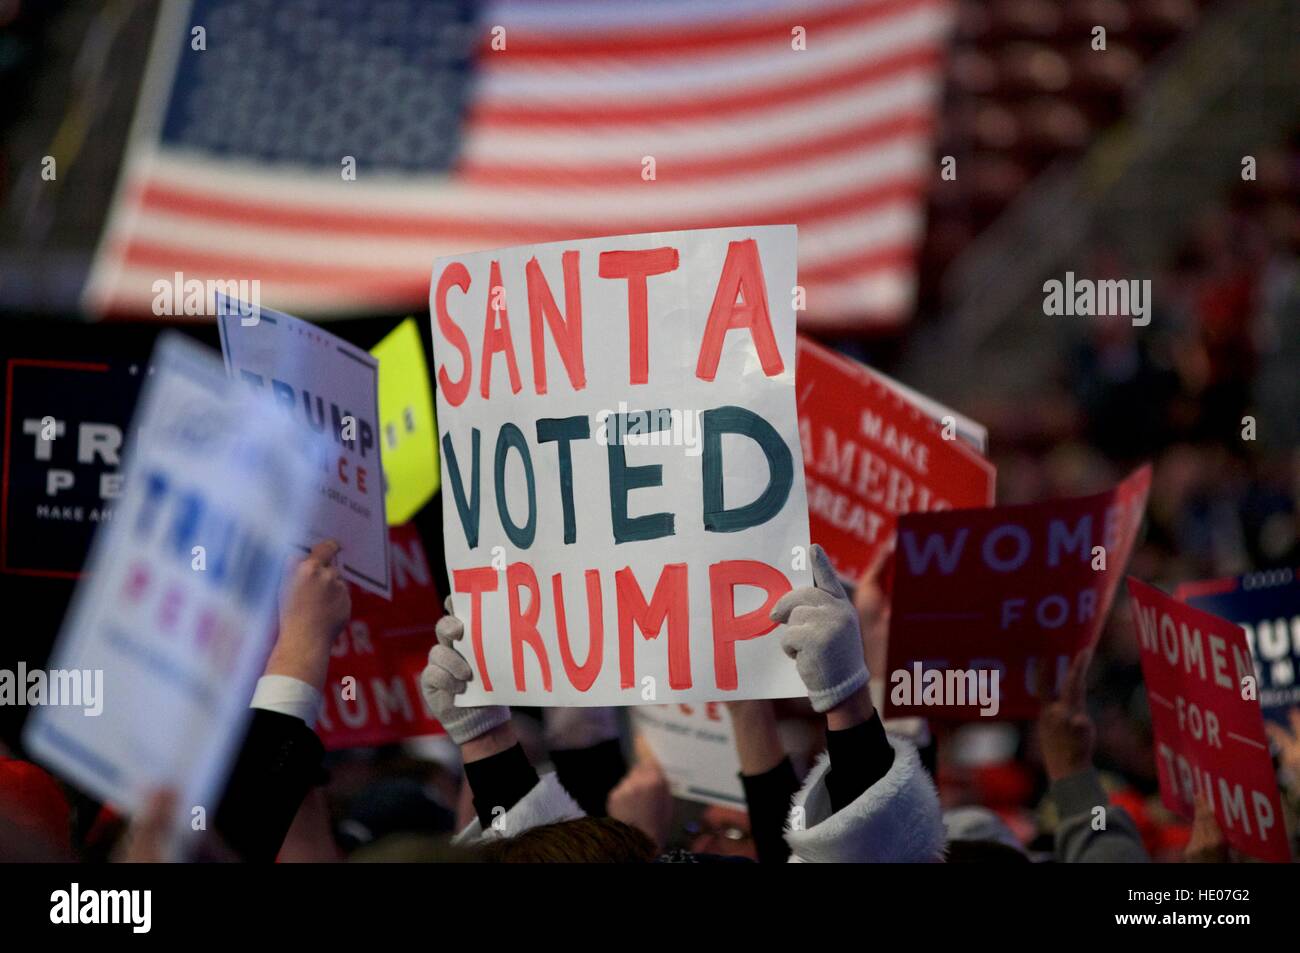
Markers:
point(725, 831)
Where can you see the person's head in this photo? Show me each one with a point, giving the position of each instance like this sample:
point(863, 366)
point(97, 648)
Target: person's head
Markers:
point(587, 840)
point(977, 835)
point(723, 831)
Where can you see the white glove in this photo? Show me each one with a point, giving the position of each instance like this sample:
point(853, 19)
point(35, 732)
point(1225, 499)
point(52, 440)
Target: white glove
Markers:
point(822, 633)
point(446, 676)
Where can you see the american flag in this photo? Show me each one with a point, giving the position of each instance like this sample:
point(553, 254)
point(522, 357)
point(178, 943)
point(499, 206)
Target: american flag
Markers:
point(476, 126)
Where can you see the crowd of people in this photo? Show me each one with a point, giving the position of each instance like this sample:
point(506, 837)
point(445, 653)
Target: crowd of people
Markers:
point(825, 779)
point(1207, 392)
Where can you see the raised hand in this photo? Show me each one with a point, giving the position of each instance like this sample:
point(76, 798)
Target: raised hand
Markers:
point(821, 632)
point(448, 675)
point(1288, 746)
point(1065, 732)
point(315, 604)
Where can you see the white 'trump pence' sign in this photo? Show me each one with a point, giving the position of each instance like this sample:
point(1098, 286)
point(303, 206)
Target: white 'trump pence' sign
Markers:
point(332, 386)
point(176, 610)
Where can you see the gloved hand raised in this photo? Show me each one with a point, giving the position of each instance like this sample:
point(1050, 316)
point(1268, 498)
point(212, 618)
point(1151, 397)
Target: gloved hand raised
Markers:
point(446, 676)
point(821, 632)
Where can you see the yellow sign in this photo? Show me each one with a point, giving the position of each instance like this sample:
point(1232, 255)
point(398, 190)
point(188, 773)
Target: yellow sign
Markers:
point(408, 431)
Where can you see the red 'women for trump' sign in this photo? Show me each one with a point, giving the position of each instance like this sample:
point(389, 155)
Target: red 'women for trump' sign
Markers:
point(372, 691)
point(1209, 729)
point(869, 456)
point(991, 595)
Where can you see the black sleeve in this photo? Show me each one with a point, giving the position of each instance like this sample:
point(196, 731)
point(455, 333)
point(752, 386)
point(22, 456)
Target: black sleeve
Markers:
point(589, 774)
point(768, 797)
point(278, 764)
point(500, 780)
point(859, 756)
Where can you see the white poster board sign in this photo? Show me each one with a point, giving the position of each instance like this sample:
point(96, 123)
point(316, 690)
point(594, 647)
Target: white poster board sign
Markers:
point(623, 493)
point(174, 617)
point(696, 747)
point(332, 387)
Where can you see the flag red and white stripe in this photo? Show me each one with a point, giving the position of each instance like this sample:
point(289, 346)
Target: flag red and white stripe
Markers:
point(742, 127)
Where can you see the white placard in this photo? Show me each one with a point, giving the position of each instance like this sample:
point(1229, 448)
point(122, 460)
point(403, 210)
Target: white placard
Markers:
point(677, 540)
point(696, 747)
point(332, 386)
point(175, 614)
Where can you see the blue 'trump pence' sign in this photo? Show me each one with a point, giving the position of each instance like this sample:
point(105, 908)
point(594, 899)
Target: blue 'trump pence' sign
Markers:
point(1267, 605)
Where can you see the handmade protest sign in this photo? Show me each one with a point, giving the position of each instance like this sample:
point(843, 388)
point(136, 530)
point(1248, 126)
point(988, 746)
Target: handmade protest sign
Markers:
point(64, 426)
point(982, 598)
point(621, 501)
point(1267, 607)
point(1209, 731)
point(409, 434)
point(373, 692)
point(174, 616)
point(696, 747)
point(869, 457)
point(332, 388)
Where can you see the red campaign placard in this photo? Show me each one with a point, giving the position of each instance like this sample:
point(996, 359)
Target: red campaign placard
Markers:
point(994, 593)
point(1209, 729)
point(384, 648)
point(869, 457)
